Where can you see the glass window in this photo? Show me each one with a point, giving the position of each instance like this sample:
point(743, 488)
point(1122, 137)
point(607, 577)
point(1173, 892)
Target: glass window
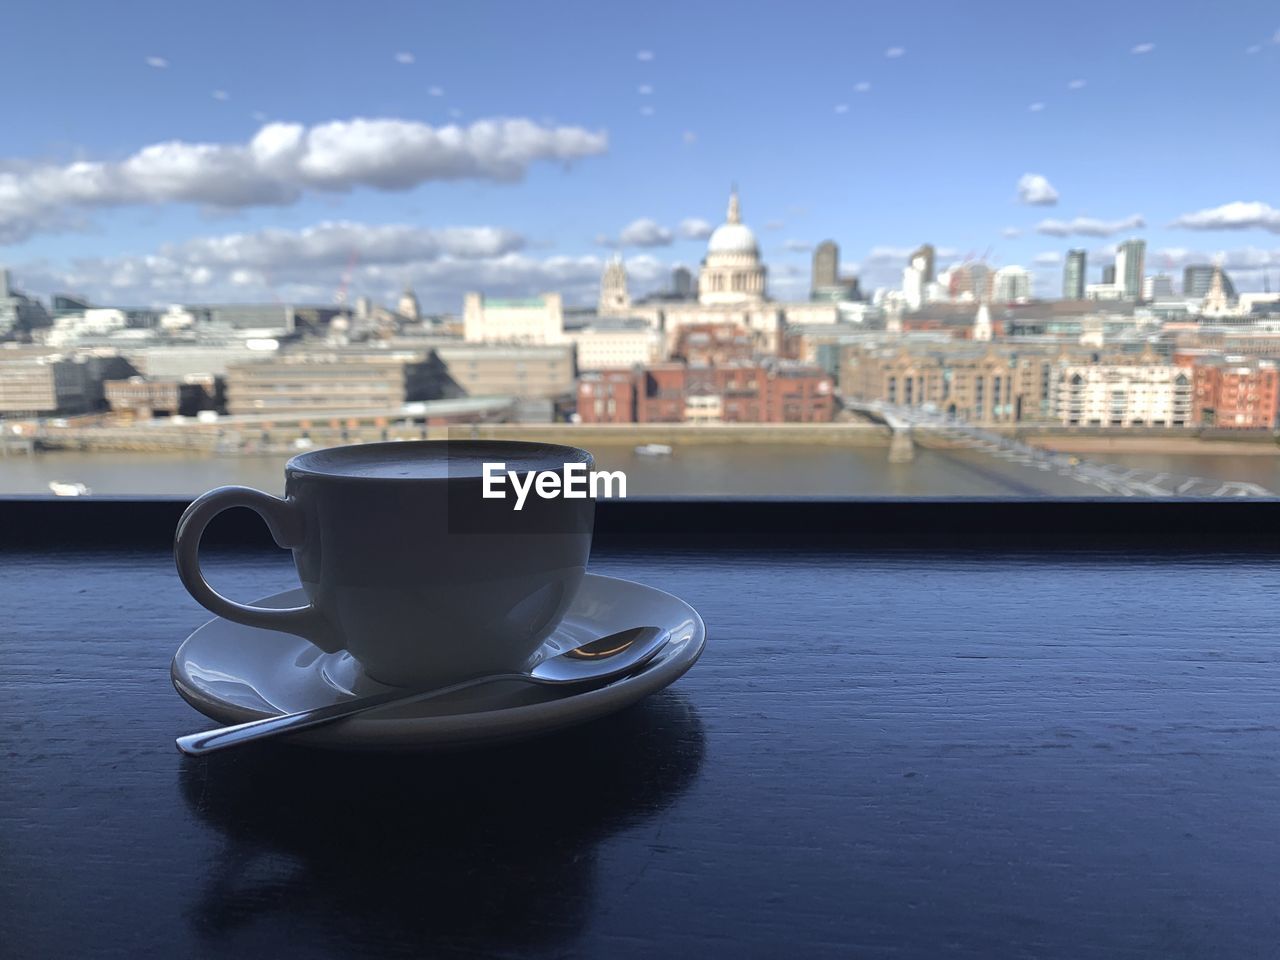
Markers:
point(275, 261)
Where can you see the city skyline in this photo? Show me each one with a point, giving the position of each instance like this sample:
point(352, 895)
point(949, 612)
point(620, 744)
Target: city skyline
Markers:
point(397, 153)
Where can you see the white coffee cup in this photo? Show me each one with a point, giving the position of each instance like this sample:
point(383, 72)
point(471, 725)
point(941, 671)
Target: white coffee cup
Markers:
point(405, 564)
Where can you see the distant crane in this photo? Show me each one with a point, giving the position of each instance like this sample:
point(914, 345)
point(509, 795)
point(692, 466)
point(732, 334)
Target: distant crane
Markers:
point(340, 298)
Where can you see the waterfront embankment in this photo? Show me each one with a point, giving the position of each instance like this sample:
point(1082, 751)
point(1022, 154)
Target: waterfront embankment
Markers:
point(847, 434)
point(1097, 444)
point(230, 438)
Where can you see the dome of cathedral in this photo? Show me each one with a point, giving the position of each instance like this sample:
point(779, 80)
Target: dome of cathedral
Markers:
point(731, 271)
point(733, 238)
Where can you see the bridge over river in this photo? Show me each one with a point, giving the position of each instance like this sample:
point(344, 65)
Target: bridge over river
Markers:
point(910, 424)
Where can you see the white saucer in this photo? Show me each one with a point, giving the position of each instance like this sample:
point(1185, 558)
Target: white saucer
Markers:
point(234, 673)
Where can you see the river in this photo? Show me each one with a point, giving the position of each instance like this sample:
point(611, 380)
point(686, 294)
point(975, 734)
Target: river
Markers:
point(705, 470)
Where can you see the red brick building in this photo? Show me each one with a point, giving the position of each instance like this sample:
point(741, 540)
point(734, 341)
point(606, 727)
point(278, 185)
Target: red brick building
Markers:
point(775, 392)
point(607, 396)
point(1237, 393)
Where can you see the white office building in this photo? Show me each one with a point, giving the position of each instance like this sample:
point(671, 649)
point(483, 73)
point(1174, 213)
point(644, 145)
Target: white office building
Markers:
point(913, 286)
point(610, 344)
point(1115, 395)
point(1130, 260)
point(1103, 291)
point(532, 320)
point(1012, 285)
point(1158, 287)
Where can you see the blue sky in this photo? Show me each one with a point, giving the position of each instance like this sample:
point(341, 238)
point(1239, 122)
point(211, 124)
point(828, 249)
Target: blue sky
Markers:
point(879, 125)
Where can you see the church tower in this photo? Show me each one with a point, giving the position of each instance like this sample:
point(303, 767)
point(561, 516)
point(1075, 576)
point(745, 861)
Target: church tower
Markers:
point(615, 301)
point(982, 324)
point(1216, 303)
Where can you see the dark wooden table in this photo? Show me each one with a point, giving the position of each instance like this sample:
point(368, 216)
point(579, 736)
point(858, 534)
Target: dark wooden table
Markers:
point(889, 755)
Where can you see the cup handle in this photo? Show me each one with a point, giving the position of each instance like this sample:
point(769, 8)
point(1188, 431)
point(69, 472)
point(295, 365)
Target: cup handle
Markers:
point(285, 521)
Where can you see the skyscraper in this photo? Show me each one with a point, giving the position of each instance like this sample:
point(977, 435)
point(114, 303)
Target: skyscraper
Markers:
point(971, 281)
point(926, 253)
point(1012, 284)
point(1130, 261)
point(1158, 287)
point(17, 310)
point(1073, 275)
point(826, 265)
point(1109, 273)
point(913, 285)
point(1198, 278)
point(682, 282)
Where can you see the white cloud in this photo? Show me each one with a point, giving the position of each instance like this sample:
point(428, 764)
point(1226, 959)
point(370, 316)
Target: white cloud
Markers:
point(695, 228)
point(295, 274)
point(798, 246)
point(1048, 258)
point(404, 57)
point(235, 265)
point(259, 116)
point(1233, 216)
point(689, 137)
point(1077, 84)
point(332, 243)
point(435, 91)
point(862, 87)
point(894, 52)
point(283, 161)
point(160, 63)
point(1143, 48)
point(1035, 190)
point(842, 108)
point(645, 233)
point(221, 95)
point(1253, 48)
point(644, 89)
point(1173, 256)
point(646, 111)
point(455, 112)
point(1089, 226)
point(1011, 232)
point(644, 56)
point(774, 224)
point(1035, 107)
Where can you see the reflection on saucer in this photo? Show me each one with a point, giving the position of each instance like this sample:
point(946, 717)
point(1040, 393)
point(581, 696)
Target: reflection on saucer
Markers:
point(495, 847)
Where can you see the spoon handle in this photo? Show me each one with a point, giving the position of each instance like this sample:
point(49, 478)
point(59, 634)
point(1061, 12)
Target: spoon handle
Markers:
point(209, 741)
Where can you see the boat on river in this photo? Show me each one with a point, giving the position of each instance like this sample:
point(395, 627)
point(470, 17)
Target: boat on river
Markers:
point(654, 450)
point(61, 488)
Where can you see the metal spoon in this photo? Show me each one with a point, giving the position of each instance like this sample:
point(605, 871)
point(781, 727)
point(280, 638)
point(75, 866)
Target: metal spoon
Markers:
point(596, 662)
